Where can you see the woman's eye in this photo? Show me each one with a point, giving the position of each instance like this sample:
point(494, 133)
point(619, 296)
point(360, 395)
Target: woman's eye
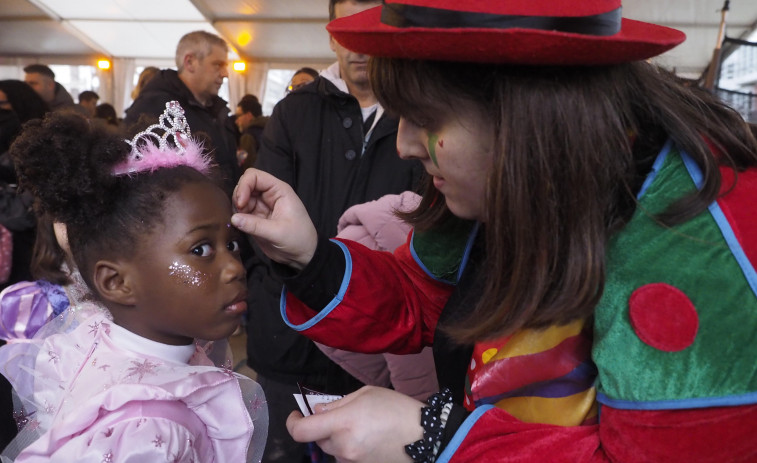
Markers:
point(233, 246)
point(418, 123)
point(202, 250)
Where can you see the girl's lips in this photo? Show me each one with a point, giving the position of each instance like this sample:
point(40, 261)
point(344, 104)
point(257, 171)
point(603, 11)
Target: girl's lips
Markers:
point(237, 308)
point(438, 182)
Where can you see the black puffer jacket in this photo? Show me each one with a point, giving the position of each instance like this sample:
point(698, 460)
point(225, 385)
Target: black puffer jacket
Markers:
point(313, 141)
point(212, 121)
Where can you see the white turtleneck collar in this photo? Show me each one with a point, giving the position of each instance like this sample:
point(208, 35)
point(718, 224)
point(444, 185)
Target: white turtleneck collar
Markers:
point(125, 339)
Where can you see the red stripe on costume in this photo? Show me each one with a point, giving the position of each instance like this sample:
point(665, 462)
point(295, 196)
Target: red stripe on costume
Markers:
point(515, 372)
point(738, 207)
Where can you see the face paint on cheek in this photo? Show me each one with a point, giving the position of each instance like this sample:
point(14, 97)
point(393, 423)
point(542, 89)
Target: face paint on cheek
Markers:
point(432, 139)
point(186, 275)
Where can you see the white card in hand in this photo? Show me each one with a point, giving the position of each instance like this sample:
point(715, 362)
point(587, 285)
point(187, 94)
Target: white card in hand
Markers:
point(312, 400)
point(308, 398)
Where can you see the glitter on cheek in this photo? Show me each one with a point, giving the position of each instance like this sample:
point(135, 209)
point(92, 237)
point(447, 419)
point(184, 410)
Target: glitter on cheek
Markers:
point(186, 275)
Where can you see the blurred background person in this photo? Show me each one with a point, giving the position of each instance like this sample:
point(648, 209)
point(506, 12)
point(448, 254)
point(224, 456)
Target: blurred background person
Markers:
point(250, 122)
point(301, 78)
point(19, 103)
point(88, 102)
point(42, 79)
point(333, 143)
point(202, 66)
point(144, 77)
point(106, 113)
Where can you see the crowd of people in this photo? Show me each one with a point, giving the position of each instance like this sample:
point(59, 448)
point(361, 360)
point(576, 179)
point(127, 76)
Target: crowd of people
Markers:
point(490, 232)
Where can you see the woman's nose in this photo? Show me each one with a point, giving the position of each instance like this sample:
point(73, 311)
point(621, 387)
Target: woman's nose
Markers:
point(410, 144)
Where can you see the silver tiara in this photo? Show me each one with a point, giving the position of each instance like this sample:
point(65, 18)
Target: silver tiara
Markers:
point(146, 156)
point(177, 127)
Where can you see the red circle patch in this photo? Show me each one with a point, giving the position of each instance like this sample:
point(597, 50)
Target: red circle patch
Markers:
point(663, 317)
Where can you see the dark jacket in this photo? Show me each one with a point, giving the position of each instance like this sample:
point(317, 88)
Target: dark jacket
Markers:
point(62, 99)
point(212, 121)
point(313, 141)
point(249, 141)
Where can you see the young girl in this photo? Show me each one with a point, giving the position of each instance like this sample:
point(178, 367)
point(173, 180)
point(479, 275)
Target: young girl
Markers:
point(121, 379)
point(574, 187)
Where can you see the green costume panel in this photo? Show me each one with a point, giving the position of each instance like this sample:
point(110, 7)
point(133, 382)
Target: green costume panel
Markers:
point(677, 312)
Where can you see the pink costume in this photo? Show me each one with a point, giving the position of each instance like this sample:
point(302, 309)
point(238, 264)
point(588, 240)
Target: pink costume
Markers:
point(375, 225)
point(95, 392)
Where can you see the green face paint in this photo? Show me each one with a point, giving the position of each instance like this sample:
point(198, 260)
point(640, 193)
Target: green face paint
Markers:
point(432, 138)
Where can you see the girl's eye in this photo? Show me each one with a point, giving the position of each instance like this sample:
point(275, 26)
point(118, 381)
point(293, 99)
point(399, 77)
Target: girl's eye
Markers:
point(202, 250)
point(233, 246)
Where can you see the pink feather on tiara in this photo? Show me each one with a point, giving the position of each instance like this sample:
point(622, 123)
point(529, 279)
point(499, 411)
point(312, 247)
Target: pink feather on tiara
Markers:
point(146, 156)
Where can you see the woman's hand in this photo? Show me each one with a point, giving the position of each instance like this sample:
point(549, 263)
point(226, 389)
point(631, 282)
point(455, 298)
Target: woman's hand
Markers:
point(270, 211)
point(371, 425)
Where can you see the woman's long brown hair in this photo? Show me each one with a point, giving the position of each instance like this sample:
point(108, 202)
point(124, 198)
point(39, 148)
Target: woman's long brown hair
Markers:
point(573, 146)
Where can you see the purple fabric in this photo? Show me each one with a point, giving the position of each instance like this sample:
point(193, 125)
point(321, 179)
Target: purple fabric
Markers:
point(25, 307)
point(56, 296)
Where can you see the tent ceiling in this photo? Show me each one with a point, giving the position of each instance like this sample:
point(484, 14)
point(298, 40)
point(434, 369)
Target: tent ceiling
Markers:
point(282, 30)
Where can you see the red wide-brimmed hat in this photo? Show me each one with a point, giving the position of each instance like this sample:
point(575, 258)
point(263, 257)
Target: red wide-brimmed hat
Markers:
point(529, 32)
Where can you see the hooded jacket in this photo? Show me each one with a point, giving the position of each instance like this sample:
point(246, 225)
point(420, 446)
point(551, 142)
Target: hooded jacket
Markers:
point(314, 141)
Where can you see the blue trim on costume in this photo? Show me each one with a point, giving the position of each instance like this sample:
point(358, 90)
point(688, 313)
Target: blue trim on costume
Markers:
point(749, 398)
point(467, 253)
point(725, 227)
point(463, 261)
point(655, 168)
point(461, 433)
point(334, 302)
point(694, 171)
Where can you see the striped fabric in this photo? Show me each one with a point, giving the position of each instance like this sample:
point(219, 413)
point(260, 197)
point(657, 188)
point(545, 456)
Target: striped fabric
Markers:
point(538, 376)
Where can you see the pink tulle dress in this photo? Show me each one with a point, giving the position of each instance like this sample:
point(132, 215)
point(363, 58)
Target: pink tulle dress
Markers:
point(87, 390)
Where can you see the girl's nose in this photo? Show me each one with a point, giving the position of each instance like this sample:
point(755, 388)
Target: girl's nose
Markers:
point(233, 269)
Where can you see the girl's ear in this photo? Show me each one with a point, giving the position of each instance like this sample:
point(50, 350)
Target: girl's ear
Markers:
point(114, 283)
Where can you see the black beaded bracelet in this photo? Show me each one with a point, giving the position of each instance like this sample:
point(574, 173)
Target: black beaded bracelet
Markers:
point(433, 419)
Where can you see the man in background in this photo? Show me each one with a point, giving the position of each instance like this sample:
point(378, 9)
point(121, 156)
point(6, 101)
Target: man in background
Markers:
point(331, 141)
point(42, 79)
point(202, 63)
point(88, 102)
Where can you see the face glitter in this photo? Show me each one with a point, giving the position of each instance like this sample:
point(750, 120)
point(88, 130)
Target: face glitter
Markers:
point(186, 275)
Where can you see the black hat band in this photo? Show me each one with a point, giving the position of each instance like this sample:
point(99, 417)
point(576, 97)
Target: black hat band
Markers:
point(402, 15)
